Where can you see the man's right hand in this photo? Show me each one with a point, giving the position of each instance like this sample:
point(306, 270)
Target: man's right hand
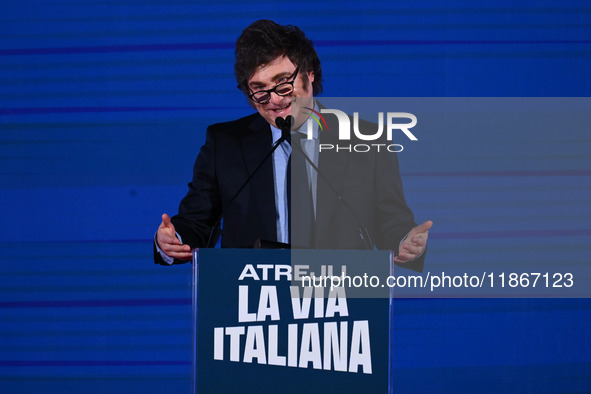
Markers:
point(169, 243)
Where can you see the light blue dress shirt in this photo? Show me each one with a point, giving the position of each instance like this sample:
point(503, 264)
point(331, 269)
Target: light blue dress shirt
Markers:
point(280, 160)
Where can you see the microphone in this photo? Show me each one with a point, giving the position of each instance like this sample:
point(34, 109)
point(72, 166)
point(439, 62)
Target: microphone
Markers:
point(285, 126)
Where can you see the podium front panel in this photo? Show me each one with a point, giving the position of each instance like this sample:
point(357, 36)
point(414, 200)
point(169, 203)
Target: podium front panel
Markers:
point(257, 331)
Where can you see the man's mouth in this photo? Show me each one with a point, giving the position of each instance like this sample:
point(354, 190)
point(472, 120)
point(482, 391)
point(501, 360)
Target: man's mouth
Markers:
point(282, 108)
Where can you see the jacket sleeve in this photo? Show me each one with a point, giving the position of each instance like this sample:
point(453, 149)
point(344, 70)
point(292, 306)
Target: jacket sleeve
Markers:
point(394, 219)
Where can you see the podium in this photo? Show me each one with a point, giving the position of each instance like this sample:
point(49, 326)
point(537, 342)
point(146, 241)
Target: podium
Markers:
point(277, 321)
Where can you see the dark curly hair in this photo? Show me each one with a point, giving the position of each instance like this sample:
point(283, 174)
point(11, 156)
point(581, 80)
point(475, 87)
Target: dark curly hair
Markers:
point(263, 41)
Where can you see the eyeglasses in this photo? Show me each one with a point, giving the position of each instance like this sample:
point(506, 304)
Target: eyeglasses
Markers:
point(283, 89)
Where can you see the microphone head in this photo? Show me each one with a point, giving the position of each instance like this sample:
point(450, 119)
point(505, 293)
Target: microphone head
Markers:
point(285, 126)
point(279, 122)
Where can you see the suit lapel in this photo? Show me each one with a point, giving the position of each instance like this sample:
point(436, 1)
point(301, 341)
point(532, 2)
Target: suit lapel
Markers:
point(333, 166)
point(255, 145)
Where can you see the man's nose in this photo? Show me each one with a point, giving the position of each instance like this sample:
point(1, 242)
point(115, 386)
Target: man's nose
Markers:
point(277, 99)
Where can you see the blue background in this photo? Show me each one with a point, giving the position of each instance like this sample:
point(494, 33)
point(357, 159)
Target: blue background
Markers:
point(103, 107)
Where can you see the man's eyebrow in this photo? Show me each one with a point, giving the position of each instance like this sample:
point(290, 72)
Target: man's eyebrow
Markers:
point(276, 78)
point(283, 75)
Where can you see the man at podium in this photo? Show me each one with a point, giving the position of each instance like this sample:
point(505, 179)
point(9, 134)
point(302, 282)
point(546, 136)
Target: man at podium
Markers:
point(264, 177)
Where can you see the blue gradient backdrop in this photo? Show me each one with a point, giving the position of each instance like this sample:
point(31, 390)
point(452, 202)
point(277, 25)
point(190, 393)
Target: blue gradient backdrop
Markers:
point(103, 108)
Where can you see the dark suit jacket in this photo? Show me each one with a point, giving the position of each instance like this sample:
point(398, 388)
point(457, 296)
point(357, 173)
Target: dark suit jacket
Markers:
point(369, 182)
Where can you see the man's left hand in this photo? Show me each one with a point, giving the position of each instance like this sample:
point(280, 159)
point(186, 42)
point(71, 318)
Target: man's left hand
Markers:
point(414, 244)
